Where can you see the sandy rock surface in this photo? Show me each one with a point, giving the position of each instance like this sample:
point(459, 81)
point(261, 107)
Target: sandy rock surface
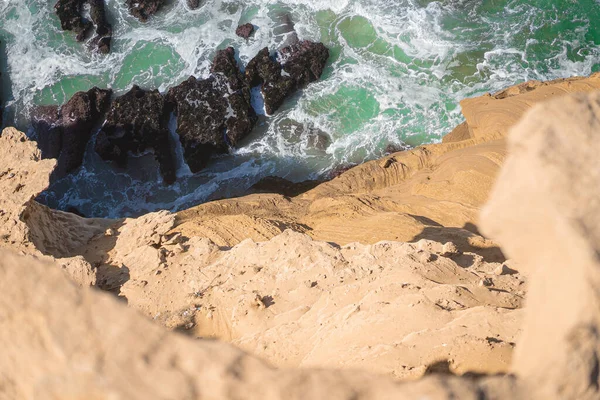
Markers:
point(381, 270)
point(549, 219)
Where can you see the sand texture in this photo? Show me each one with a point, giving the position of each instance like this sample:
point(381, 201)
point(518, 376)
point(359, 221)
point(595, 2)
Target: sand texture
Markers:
point(377, 284)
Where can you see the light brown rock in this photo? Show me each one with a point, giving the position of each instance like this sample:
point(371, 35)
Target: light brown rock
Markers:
point(65, 342)
point(545, 210)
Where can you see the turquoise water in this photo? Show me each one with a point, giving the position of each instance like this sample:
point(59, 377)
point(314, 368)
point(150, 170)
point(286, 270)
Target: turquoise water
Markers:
point(396, 74)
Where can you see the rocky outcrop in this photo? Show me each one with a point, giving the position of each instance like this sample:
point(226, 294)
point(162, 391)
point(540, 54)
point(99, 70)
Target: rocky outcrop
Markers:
point(243, 296)
point(212, 114)
point(63, 133)
point(295, 67)
point(64, 337)
point(245, 30)
point(406, 309)
point(144, 9)
point(431, 192)
point(103, 29)
point(135, 123)
point(31, 228)
point(70, 15)
point(545, 211)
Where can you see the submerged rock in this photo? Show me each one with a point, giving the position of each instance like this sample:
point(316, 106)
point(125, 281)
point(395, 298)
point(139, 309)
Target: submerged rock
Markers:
point(71, 19)
point(144, 9)
point(136, 123)
point(296, 66)
point(245, 30)
point(214, 113)
point(193, 4)
point(64, 132)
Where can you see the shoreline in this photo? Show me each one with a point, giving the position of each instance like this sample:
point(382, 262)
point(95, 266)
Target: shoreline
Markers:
point(421, 316)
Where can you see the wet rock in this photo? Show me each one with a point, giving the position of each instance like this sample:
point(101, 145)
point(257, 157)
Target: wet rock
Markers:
point(77, 119)
point(245, 30)
point(46, 125)
point(193, 4)
point(212, 114)
point(304, 61)
point(103, 29)
point(275, 184)
point(70, 15)
point(144, 9)
point(71, 19)
point(296, 66)
point(263, 69)
point(64, 132)
point(136, 122)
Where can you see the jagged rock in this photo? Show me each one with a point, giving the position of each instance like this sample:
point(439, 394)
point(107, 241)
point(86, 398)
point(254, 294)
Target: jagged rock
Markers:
point(71, 19)
point(276, 86)
point(212, 114)
point(245, 30)
point(103, 28)
point(144, 9)
point(46, 124)
point(304, 61)
point(136, 123)
point(64, 132)
point(296, 66)
point(69, 13)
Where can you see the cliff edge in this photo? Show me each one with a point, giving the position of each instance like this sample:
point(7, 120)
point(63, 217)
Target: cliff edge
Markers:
point(311, 282)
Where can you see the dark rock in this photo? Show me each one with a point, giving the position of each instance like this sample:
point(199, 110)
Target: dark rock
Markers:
point(286, 28)
point(71, 19)
point(64, 132)
point(193, 4)
point(275, 86)
point(69, 13)
point(136, 122)
point(245, 30)
point(103, 28)
point(318, 139)
point(275, 184)
point(304, 61)
point(45, 121)
point(78, 117)
point(144, 9)
point(212, 114)
point(297, 66)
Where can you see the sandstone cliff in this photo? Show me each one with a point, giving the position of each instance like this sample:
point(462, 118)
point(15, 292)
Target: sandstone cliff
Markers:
point(322, 279)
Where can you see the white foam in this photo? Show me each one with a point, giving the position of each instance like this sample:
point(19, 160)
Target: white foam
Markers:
point(413, 74)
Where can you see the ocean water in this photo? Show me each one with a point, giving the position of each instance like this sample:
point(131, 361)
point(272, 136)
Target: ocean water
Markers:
point(396, 74)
